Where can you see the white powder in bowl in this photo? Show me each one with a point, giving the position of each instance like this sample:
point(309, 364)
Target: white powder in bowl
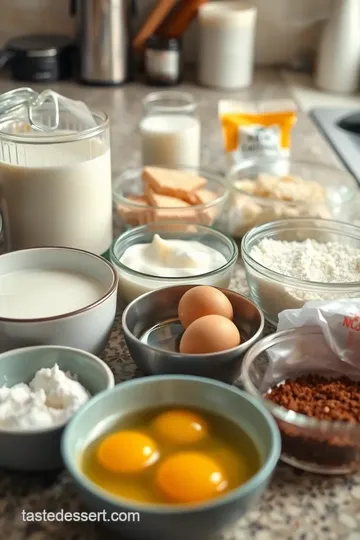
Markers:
point(327, 262)
point(50, 399)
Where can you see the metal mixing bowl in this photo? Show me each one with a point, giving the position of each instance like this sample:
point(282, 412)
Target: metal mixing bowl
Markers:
point(152, 333)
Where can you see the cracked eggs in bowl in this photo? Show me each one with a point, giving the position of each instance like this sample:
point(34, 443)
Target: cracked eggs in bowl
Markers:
point(185, 485)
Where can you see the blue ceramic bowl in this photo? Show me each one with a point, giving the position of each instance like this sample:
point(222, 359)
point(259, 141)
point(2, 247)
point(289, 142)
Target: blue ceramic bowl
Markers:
point(171, 522)
point(39, 449)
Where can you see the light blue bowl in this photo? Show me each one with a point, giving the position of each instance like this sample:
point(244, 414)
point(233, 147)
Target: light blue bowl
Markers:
point(156, 522)
point(39, 449)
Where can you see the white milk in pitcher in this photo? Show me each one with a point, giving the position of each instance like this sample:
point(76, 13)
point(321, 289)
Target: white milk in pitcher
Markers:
point(57, 194)
point(171, 140)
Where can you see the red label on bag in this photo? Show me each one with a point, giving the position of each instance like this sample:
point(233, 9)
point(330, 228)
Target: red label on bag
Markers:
point(353, 323)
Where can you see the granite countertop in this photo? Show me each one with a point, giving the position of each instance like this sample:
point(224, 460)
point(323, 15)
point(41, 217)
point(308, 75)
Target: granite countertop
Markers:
point(297, 505)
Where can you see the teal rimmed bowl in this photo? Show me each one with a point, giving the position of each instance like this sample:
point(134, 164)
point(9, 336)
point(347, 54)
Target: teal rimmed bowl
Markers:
point(156, 522)
point(38, 449)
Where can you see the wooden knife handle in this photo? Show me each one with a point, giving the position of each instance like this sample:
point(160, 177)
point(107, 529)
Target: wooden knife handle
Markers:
point(180, 18)
point(152, 23)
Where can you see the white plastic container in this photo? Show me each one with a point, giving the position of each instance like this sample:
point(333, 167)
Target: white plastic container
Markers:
point(227, 35)
point(170, 130)
point(338, 63)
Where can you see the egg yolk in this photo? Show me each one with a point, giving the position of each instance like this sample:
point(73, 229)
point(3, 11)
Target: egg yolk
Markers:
point(189, 477)
point(235, 468)
point(180, 427)
point(127, 452)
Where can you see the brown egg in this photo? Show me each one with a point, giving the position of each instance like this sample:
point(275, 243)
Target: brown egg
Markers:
point(200, 301)
point(209, 334)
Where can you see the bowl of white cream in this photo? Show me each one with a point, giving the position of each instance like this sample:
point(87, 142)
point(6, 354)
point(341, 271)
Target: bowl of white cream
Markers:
point(56, 296)
point(170, 253)
point(41, 389)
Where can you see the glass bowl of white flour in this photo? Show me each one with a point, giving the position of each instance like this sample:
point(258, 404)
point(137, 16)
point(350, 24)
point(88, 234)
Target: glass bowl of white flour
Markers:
point(291, 261)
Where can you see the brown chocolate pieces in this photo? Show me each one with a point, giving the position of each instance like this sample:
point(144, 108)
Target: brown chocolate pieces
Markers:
point(323, 399)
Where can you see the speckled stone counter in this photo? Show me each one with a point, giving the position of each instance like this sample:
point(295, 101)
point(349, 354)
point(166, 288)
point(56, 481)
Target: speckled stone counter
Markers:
point(297, 506)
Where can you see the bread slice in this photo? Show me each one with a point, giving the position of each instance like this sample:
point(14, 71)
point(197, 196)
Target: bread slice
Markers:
point(135, 215)
point(204, 196)
point(164, 201)
point(170, 208)
point(173, 183)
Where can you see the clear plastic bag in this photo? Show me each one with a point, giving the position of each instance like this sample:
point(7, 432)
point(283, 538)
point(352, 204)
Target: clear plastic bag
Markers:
point(338, 353)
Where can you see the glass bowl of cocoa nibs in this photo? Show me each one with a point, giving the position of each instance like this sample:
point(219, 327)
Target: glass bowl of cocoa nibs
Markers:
point(313, 395)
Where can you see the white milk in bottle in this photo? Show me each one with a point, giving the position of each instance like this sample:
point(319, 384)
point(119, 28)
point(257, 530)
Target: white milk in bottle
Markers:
point(170, 130)
point(55, 187)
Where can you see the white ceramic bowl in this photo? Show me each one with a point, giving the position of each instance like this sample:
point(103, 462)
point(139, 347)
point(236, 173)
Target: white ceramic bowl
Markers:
point(87, 328)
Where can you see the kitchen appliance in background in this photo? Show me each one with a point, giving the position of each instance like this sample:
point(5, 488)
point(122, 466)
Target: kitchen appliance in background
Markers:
point(104, 40)
point(227, 36)
point(38, 58)
point(341, 128)
point(338, 62)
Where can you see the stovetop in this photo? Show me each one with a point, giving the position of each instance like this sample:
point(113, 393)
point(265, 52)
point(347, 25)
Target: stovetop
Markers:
point(341, 128)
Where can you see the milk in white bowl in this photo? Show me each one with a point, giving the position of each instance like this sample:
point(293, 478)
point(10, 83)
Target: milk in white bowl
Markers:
point(56, 296)
point(34, 294)
point(56, 194)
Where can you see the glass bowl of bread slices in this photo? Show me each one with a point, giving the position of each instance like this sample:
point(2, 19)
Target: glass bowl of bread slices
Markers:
point(154, 194)
point(266, 189)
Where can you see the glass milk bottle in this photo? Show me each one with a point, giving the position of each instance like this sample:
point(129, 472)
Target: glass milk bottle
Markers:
point(170, 130)
point(55, 173)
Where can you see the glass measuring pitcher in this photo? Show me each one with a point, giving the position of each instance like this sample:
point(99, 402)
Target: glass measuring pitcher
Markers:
point(55, 173)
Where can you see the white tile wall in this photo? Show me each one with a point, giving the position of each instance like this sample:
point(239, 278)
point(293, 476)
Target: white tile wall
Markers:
point(284, 26)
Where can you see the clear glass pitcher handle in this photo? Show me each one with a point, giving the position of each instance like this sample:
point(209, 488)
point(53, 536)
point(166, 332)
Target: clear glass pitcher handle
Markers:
point(24, 102)
point(15, 100)
point(46, 96)
point(28, 106)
